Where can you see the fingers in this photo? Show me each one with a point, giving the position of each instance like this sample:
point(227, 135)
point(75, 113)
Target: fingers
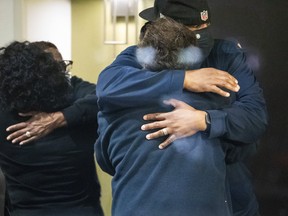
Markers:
point(16, 136)
point(163, 132)
point(227, 77)
point(27, 140)
point(157, 134)
point(153, 116)
point(16, 127)
point(28, 114)
point(162, 116)
point(219, 91)
point(224, 80)
point(219, 88)
point(170, 124)
point(229, 84)
point(211, 80)
point(20, 133)
point(21, 137)
point(167, 142)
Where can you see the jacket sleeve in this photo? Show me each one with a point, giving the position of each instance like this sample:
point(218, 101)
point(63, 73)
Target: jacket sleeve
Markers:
point(124, 84)
point(246, 120)
point(84, 109)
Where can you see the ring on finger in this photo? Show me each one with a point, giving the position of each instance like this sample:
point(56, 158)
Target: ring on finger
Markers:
point(28, 134)
point(164, 131)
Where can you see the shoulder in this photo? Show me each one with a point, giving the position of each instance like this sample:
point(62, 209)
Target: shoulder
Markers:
point(127, 58)
point(129, 50)
point(76, 79)
point(227, 46)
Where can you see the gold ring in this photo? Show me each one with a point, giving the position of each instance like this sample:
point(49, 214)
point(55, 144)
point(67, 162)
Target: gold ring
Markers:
point(28, 134)
point(165, 132)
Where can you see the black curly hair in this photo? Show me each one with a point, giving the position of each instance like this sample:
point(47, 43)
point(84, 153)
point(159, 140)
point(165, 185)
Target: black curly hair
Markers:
point(31, 79)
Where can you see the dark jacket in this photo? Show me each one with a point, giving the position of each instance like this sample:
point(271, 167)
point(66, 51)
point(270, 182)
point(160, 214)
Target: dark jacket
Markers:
point(55, 175)
point(189, 177)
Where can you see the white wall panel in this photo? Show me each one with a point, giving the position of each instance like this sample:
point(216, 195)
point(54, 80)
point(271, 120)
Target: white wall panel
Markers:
point(49, 20)
point(6, 22)
point(32, 20)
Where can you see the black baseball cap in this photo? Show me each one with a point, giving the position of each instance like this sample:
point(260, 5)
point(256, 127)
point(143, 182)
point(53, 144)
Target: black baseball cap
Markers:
point(188, 12)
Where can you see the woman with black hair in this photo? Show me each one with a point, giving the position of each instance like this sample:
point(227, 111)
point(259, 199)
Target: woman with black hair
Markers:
point(55, 174)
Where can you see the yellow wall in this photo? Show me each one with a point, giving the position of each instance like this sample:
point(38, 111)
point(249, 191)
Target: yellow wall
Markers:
point(91, 55)
point(89, 52)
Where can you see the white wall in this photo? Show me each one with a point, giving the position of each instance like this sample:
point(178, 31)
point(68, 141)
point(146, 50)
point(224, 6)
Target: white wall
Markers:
point(49, 20)
point(6, 22)
point(32, 20)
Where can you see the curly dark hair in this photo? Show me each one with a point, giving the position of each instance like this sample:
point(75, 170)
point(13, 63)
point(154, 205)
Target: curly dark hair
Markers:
point(31, 79)
point(168, 37)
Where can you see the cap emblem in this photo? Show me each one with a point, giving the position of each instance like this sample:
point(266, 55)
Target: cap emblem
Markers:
point(204, 15)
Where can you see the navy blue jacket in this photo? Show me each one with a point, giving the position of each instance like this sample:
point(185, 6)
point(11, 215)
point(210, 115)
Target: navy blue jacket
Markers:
point(189, 177)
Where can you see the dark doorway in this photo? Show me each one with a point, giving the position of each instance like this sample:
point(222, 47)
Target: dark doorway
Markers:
point(261, 28)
